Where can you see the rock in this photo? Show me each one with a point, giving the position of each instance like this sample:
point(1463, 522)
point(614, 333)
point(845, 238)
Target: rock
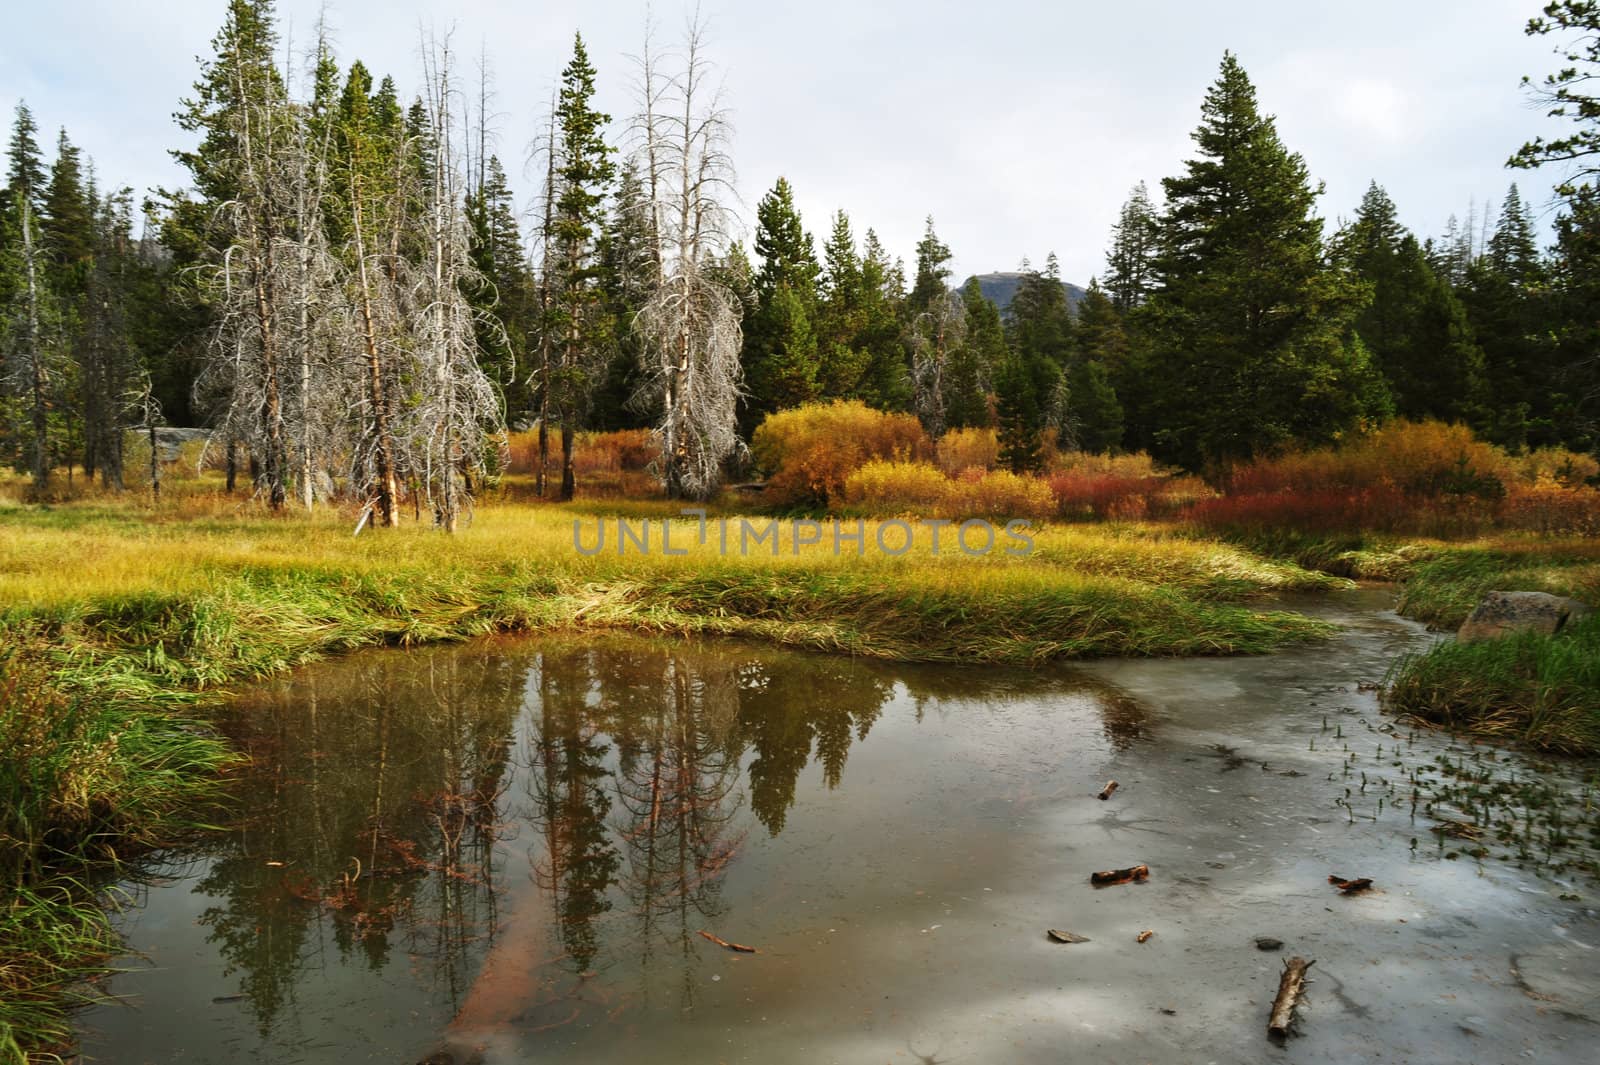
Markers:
point(1501, 613)
point(1268, 943)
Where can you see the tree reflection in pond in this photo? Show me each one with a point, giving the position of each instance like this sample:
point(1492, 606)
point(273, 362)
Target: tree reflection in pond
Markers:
point(531, 833)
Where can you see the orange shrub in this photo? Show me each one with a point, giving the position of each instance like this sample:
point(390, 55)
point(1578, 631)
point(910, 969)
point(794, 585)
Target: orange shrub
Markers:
point(809, 452)
point(1556, 466)
point(965, 449)
point(1419, 458)
point(614, 452)
point(1082, 495)
point(1552, 510)
point(626, 450)
point(1132, 465)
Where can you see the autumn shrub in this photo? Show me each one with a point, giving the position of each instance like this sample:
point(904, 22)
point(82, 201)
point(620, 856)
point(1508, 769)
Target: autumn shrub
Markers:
point(1556, 466)
point(882, 487)
point(614, 452)
point(1419, 458)
point(809, 452)
point(1550, 509)
point(965, 449)
point(999, 494)
point(1135, 464)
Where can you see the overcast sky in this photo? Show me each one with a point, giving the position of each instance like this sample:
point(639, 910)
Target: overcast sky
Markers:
point(1020, 126)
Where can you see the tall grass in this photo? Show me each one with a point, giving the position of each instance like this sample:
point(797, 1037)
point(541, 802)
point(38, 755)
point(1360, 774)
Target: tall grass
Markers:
point(83, 781)
point(1541, 691)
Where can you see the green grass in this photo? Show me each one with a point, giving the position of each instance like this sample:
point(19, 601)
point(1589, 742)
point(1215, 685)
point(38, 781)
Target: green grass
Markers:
point(1540, 691)
point(83, 781)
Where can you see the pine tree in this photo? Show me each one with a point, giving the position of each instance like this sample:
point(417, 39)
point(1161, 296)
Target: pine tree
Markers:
point(1130, 263)
point(1251, 346)
point(1414, 327)
point(1507, 306)
point(841, 315)
point(973, 368)
point(584, 172)
point(932, 282)
point(625, 256)
point(780, 344)
point(1019, 415)
point(885, 383)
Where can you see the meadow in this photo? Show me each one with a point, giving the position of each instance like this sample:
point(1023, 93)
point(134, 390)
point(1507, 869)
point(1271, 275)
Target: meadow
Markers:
point(125, 617)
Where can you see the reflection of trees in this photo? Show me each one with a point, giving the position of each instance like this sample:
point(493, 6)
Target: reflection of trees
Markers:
point(369, 805)
point(372, 808)
point(571, 802)
point(677, 781)
point(794, 703)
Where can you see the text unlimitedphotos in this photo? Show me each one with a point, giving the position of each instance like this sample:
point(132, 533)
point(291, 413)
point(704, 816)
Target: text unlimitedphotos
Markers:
point(744, 537)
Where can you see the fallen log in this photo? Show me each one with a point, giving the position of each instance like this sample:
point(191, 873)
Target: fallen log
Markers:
point(1145, 935)
point(1349, 887)
point(719, 941)
point(1291, 988)
point(1105, 792)
point(1063, 936)
point(1120, 876)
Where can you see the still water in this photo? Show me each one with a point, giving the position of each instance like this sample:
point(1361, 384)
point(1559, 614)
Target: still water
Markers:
point(508, 851)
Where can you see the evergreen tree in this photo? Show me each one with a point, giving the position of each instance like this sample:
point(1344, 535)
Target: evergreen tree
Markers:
point(1018, 415)
point(885, 382)
point(1503, 291)
point(841, 315)
point(780, 345)
point(25, 165)
point(1130, 263)
point(625, 256)
point(932, 282)
point(973, 367)
point(1096, 415)
point(1101, 364)
point(584, 172)
point(505, 301)
point(1251, 346)
point(1414, 327)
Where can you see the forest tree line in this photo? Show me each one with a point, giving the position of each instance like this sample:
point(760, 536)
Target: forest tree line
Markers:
point(348, 295)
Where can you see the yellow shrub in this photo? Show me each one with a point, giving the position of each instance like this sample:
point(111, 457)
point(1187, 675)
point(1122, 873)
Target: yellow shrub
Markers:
point(965, 449)
point(1000, 494)
point(809, 452)
point(887, 487)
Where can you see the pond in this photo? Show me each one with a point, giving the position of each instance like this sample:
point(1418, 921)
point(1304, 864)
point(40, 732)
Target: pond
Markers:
point(527, 849)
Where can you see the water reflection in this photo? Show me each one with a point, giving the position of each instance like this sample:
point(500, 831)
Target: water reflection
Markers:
point(531, 836)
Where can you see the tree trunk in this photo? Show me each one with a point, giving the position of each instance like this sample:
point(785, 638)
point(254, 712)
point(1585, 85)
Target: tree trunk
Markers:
point(387, 503)
point(1291, 985)
point(38, 382)
point(569, 483)
point(233, 465)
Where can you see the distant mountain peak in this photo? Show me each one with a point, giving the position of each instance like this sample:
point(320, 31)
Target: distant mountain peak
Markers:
point(1001, 285)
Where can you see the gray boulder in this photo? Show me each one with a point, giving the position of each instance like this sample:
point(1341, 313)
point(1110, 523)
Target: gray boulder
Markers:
point(1502, 613)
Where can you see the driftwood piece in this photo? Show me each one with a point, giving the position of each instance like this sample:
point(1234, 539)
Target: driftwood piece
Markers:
point(1349, 887)
point(719, 941)
point(1120, 876)
point(1063, 936)
point(1145, 935)
point(1291, 988)
point(1105, 792)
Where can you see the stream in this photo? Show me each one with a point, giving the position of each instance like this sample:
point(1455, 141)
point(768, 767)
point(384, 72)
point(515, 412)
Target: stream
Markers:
point(507, 851)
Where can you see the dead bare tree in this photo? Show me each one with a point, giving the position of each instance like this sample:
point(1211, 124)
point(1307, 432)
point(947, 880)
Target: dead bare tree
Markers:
point(936, 333)
point(690, 324)
point(458, 405)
